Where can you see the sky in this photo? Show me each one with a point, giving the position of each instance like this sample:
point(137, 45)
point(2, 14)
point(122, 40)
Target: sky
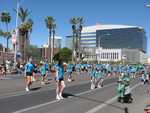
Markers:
point(124, 12)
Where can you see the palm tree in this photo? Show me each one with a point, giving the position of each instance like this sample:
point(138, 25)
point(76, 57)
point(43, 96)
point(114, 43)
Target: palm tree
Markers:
point(1, 47)
point(53, 31)
point(5, 34)
point(81, 21)
point(6, 18)
point(50, 22)
point(25, 29)
point(1, 32)
point(74, 21)
point(23, 14)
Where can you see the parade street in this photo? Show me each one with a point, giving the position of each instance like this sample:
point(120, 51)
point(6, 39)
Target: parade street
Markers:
point(78, 97)
point(74, 56)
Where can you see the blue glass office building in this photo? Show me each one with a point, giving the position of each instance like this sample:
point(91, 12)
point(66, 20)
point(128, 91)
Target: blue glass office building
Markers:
point(130, 38)
point(114, 36)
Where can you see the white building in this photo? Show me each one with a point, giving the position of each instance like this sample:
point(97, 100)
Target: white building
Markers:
point(115, 55)
point(108, 55)
point(57, 41)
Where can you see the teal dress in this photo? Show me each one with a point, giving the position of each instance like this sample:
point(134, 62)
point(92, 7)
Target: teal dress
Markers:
point(43, 70)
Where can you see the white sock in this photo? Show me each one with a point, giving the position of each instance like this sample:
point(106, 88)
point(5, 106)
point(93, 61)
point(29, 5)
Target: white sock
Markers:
point(60, 94)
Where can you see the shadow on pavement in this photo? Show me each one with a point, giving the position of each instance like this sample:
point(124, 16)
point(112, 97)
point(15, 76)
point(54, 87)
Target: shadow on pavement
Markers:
point(66, 95)
point(126, 110)
point(36, 88)
point(50, 79)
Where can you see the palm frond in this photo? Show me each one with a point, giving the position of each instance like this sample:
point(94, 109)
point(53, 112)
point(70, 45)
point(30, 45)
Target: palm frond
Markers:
point(23, 14)
point(1, 32)
point(5, 17)
point(74, 20)
point(50, 22)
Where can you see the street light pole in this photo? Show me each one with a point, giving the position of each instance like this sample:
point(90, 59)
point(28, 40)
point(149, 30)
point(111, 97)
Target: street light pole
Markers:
point(16, 31)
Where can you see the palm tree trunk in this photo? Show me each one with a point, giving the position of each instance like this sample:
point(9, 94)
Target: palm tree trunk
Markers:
point(8, 36)
point(49, 46)
point(7, 43)
point(79, 45)
point(53, 44)
point(76, 47)
point(25, 46)
point(22, 47)
point(73, 47)
point(22, 43)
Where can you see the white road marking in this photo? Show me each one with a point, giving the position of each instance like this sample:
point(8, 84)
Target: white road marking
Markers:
point(12, 94)
point(97, 108)
point(95, 89)
point(6, 78)
point(23, 92)
point(54, 101)
point(35, 107)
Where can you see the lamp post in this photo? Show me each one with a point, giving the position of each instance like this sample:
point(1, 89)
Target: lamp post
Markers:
point(16, 35)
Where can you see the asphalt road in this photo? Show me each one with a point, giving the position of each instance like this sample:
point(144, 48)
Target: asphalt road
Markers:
point(82, 101)
point(18, 102)
point(78, 98)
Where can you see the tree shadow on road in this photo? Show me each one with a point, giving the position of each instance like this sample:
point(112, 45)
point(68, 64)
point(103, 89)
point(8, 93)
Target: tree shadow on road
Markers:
point(124, 109)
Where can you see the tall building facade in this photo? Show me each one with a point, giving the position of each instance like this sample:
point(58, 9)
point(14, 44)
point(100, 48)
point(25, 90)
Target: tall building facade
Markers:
point(131, 38)
point(57, 42)
point(88, 39)
point(69, 42)
point(57, 46)
point(114, 36)
point(114, 41)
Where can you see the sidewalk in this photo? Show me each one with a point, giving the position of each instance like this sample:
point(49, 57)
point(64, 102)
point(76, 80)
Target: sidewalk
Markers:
point(141, 98)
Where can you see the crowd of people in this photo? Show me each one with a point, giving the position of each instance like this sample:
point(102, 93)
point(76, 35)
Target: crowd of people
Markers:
point(97, 73)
